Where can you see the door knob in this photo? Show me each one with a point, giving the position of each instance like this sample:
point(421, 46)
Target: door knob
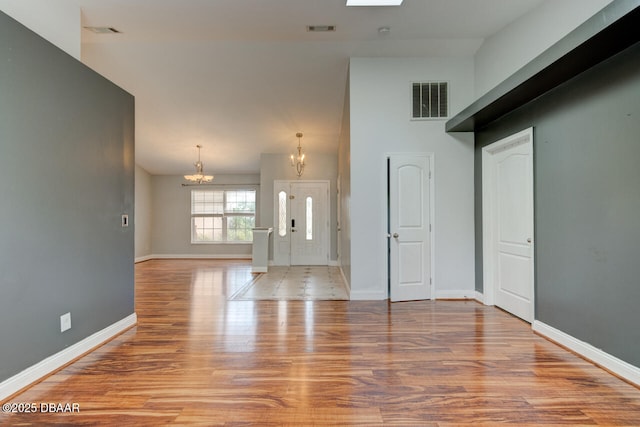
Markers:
point(395, 235)
point(529, 240)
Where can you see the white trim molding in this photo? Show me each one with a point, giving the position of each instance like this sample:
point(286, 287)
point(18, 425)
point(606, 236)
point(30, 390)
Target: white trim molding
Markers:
point(331, 263)
point(455, 294)
point(52, 363)
point(346, 282)
point(480, 297)
point(199, 256)
point(368, 296)
point(605, 360)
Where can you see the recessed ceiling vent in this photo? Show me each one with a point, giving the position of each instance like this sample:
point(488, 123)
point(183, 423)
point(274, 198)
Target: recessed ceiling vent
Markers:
point(430, 100)
point(320, 28)
point(103, 30)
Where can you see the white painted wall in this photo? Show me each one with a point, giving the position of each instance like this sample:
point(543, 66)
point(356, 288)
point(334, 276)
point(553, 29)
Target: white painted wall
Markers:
point(143, 213)
point(380, 110)
point(171, 218)
point(344, 174)
point(508, 50)
point(57, 21)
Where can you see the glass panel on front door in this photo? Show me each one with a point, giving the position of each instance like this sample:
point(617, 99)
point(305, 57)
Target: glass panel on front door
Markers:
point(309, 218)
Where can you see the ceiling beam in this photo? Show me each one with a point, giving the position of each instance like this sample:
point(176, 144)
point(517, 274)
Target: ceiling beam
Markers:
point(607, 33)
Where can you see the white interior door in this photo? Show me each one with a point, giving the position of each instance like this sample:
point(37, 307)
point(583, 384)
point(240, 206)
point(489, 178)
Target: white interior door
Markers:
point(508, 218)
point(302, 223)
point(409, 227)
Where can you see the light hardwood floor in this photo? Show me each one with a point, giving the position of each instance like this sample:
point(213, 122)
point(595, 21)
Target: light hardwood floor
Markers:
point(196, 358)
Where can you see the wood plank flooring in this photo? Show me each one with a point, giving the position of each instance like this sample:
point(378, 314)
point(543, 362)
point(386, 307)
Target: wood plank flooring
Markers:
point(196, 358)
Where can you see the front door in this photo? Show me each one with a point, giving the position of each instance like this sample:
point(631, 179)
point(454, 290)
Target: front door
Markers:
point(302, 223)
point(409, 227)
point(508, 224)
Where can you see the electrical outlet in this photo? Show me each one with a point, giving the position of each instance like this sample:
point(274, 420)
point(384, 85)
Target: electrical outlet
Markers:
point(65, 322)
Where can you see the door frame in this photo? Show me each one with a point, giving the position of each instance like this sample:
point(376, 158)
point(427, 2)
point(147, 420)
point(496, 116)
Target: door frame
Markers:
point(288, 182)
point(488, 231)
point(338, 220)
point(385, 203)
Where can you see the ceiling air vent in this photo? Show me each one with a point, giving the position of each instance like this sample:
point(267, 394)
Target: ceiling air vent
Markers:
point(103, 30)
point(430, 100)
point(320, 28)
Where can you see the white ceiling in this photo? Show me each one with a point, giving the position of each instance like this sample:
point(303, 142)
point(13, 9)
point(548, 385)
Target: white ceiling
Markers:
point(241, 77)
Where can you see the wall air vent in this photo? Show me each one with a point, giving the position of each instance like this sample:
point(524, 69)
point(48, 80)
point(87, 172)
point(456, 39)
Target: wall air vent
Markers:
point(430, 100)
point(103, 30)
point(320, 28)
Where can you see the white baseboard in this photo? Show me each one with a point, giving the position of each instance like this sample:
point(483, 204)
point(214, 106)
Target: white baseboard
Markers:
point(480, 297)
point(619, 367)
point(331, 263)
point(368, 296)
point(200, 256)
point(52, 363)
point(346, 282)
point(455, 294)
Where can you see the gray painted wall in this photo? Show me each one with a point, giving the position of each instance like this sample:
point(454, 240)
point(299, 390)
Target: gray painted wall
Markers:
point(66, 176)
point(587, 203)
point(171, 217)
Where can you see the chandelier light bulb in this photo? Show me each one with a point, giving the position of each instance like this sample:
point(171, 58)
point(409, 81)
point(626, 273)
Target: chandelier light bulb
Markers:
point(199, 177)
point(297, 160)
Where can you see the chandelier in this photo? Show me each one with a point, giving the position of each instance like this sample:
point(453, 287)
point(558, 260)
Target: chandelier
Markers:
point(298, 160)
point(199, 176)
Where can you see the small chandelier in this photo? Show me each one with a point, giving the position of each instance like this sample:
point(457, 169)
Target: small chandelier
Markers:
point(199, 176)
point(298, 160)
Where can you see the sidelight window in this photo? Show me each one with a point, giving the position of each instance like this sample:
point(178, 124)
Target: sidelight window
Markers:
point(282, 214)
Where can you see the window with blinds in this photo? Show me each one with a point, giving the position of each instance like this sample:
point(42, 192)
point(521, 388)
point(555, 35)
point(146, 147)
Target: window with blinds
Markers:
point(222, 215)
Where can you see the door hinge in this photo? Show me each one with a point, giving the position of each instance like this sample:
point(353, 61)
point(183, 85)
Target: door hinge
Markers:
point(429, 228)
point(430, 281)
point(429, 174)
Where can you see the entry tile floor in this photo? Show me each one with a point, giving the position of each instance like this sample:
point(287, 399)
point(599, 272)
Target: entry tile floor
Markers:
point(295, 283)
